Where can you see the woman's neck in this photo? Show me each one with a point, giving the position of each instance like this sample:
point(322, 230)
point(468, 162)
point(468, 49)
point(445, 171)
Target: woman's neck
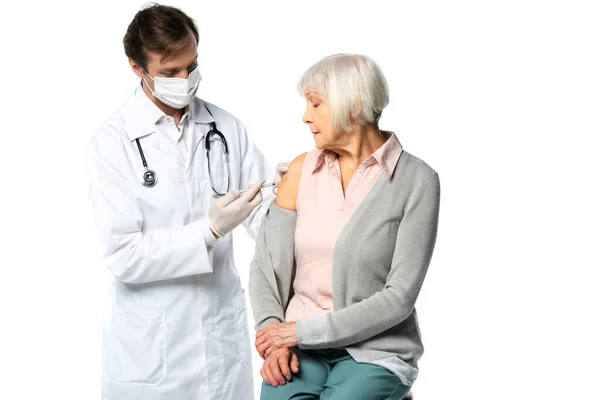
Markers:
point(361, 144)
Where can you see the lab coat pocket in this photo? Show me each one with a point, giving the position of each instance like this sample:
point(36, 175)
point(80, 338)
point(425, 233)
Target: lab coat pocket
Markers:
point(241, 329)
point(135, 346)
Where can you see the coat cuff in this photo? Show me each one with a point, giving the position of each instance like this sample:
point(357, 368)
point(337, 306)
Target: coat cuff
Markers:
point(312, 333)
point(209, 237)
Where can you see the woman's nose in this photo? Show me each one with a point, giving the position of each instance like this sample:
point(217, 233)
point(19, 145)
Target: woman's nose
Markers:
point(306, 117)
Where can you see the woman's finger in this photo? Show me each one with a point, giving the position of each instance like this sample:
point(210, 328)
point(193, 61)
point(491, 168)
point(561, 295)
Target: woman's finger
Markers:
point(276, 371)
point(284, 365)
point(294, 363)
point(262, 348)
point(260, 341)
point(264, 376)
point(270, 350)
point(264, 344)
point(270, 379)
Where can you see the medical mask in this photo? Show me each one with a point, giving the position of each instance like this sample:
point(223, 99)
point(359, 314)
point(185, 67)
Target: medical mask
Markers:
point(175, 92)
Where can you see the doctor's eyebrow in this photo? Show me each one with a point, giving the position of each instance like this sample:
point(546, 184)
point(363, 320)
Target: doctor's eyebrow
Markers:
point(170, 71)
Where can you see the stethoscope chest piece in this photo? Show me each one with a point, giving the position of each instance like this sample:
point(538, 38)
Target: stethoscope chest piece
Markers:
point(149, 178)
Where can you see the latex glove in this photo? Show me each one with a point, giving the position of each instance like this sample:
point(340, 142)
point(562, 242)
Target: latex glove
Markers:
point(232, 209)
point(280, 170)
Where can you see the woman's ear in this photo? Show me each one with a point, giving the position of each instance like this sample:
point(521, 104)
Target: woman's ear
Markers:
point(357, 108)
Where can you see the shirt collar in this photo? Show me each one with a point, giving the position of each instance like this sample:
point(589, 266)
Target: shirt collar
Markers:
point(141, 115)
point(324, 156)
point(386, 156)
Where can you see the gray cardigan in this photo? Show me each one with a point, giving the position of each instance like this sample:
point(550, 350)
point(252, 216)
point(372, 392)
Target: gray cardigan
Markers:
point(379, 264)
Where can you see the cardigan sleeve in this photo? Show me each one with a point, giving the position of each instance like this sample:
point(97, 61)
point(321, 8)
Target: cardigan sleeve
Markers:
point(272, 267)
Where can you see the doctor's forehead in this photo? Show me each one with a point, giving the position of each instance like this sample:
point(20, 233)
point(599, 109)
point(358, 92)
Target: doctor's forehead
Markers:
point(181, 58)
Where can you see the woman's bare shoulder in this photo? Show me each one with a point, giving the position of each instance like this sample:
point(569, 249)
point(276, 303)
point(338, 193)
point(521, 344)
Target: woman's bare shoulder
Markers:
point(287, 192)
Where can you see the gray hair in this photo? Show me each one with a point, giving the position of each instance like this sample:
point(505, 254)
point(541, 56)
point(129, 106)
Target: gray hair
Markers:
point(354, 86)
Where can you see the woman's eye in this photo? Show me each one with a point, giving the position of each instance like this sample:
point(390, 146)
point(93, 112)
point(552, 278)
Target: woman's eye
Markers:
point(316, 105)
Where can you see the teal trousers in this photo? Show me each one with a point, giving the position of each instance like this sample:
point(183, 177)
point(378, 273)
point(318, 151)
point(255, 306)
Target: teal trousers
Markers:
point(333, 375)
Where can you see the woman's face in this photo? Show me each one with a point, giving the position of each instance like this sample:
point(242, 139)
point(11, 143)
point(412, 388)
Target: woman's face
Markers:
point(318, 119)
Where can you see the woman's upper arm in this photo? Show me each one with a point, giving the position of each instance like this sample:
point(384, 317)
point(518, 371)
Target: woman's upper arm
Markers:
point(287, 191)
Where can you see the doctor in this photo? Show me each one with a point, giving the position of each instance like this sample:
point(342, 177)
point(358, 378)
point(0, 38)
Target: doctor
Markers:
point(167, 169)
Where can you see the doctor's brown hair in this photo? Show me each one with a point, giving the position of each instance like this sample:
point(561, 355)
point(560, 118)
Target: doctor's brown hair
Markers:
point(159, 29)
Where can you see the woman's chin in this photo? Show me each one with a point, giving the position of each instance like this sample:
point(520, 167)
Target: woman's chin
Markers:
point(319, 143)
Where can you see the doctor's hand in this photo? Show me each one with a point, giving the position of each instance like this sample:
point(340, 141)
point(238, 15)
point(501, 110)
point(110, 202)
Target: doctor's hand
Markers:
point(280, 170)
point(232, 209)
point(276, 336)
point(279, 366)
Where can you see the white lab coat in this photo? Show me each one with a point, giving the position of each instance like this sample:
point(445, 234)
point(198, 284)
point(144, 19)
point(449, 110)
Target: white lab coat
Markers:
point(176, 321)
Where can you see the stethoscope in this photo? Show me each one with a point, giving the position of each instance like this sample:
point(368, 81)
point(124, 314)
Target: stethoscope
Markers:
point(150, 178)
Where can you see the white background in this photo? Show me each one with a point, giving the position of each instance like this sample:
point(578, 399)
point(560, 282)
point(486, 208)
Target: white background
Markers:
point(501, 98)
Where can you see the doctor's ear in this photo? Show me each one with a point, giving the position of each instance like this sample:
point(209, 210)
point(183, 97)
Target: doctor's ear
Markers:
point(136, 68)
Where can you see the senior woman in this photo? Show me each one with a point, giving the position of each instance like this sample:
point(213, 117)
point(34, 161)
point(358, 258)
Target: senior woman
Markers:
point(343, 251)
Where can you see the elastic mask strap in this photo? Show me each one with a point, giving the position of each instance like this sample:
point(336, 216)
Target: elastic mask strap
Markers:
point(144, 79)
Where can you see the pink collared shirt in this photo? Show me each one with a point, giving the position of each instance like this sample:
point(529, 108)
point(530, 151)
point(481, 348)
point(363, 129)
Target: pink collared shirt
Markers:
point(322, 211)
